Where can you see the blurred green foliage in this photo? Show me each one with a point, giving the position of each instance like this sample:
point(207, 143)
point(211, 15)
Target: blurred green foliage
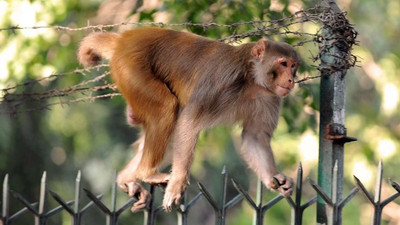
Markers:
point(93, 136)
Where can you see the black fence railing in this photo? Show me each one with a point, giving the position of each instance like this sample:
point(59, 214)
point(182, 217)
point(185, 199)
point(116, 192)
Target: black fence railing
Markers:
point(112, 213)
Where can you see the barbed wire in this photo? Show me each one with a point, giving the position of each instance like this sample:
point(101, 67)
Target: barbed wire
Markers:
point(82, 71)
point(16, 99)
point(299, 14)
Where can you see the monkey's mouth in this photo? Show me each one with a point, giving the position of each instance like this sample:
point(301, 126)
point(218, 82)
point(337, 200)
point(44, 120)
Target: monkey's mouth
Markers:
point(287, 88)
point(282, 90)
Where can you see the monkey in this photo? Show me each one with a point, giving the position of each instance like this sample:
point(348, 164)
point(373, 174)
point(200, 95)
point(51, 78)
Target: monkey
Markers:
point(131, 119)
point(177, 84)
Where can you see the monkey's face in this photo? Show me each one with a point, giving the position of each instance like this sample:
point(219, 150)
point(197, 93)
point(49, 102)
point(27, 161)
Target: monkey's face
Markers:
point(283, 72)
point(276, 75)
point(275, 66)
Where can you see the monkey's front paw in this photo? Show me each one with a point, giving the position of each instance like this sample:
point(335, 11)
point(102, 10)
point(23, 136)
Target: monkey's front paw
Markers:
point(283, 184)
point(173, 194)
point(136, 190)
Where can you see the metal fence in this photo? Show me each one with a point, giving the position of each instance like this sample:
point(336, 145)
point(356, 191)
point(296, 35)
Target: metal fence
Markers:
point(73, 207)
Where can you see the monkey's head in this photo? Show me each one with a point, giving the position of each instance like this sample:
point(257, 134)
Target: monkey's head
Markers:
point(275, 66)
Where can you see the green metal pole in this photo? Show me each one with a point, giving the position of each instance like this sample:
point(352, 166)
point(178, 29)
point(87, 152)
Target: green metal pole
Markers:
point(332, 118)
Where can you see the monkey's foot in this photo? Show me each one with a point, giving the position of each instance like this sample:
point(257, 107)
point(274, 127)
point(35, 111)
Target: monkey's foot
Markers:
point(173, 193)
point(135, 190)
point(283, 184)
point(157, 179)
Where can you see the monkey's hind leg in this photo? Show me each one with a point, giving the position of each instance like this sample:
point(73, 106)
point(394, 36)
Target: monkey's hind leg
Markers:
point(159, 128)
point(126, 179)
point(153, 104)
point(127, 174)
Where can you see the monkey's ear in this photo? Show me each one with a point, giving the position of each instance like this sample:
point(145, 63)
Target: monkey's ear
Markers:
point(259, 49)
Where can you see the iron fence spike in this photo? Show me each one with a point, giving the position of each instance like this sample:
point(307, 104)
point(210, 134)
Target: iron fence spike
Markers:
point(98, 203)
point(58, 209)
point(90, 204)
point(21, 212)
point(364, 190)
point(62, 202)
point(43, 188)
point(125, 206)
point(245, 195)
point(259, 193)
point(24, 202)
point(390, 199)
point(300, 172)
point(292, 204)
point(224, 190)
point(335, 196)
point(149, 212)
point(181, 207)
point(6, 197)
point(223, 172)
point(78, 176)
point(349, 197)
point(299, 184)
point(309, 203)
point(321, 193)
point(272, 203)
point(114, 192)
point(208, 197)
point(233, 201)
point(395, 185)
point(77, 191)
point(378, 184)
point(189, 205)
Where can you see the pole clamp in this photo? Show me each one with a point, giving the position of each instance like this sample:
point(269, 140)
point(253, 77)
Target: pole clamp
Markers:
point(338, 132)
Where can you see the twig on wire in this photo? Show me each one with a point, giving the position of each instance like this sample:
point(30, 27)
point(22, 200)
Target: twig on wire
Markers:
point(307, 78)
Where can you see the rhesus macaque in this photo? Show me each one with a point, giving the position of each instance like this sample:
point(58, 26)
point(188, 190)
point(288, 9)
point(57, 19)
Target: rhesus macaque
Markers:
point(177, 84)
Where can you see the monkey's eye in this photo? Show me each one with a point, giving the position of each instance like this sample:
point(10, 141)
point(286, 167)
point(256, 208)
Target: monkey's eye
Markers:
point(284, 63)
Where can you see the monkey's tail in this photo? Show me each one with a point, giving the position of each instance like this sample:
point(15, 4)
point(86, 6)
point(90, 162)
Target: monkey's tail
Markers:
point(97, 46)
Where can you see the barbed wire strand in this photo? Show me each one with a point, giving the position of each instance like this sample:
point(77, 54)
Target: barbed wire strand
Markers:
point(297, 14)
point(13, 102)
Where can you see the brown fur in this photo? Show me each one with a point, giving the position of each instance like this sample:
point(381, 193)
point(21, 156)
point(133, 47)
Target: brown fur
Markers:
point(97, 46)
point(177, 84)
